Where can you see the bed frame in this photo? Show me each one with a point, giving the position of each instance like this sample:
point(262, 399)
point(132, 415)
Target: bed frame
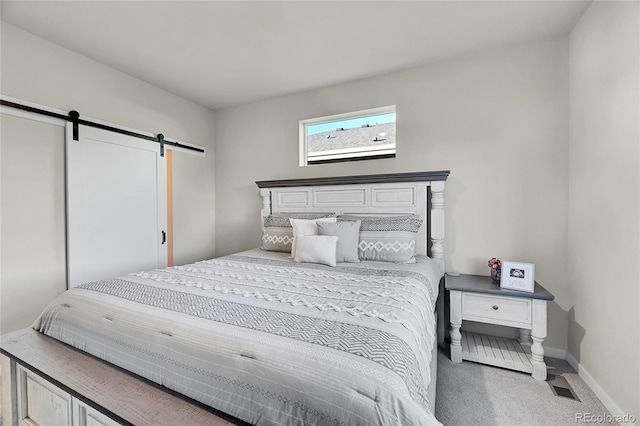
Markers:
point(420, 194)
point(47, 382)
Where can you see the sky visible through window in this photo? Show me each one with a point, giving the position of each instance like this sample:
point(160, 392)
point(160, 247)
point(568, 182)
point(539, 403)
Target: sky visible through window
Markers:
point(351, 123)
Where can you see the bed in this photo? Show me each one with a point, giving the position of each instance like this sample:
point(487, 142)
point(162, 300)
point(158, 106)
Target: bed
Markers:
point(270, 340)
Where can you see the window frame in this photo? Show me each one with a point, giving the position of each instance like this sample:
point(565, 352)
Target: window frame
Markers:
point(355, 154)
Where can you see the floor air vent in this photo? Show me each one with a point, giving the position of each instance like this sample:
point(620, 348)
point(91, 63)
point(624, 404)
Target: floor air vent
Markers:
point(560, 387)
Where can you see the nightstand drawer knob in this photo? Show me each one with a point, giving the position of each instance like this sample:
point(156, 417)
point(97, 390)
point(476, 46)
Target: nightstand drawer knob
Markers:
point(495, 307)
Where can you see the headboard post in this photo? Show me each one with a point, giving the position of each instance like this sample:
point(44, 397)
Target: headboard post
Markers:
point(437, 221)
point(265, 193)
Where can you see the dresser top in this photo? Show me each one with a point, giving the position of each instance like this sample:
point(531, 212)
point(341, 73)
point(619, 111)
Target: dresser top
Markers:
point(484, 284)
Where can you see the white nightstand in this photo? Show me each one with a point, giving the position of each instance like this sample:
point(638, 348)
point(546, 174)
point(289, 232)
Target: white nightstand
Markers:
point(478, 298)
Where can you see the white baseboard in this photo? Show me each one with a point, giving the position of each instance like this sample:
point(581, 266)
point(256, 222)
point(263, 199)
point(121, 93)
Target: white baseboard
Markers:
point(608, 402)
point(555, 353)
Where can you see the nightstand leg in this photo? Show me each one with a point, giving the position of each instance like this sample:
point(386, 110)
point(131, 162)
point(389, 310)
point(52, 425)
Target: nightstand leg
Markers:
point(537, 359)
point(538, 334)
point(525, 336)
point(455, 299)
point(456, 346)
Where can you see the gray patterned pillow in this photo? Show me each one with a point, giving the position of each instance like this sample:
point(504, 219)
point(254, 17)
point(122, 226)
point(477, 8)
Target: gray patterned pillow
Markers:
point(277, 234)
point(387, 238)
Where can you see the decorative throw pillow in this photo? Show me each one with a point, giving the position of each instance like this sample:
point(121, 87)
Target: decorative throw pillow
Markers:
point(348, 234)
point(306, 227)
point(316, 249)
point(387, 239)
point(277, 234)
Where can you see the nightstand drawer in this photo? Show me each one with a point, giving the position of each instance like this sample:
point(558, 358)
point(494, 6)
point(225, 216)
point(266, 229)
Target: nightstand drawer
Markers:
point(496, 309)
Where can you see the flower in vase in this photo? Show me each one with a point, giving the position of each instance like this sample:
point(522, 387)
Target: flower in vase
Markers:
point(494, 263)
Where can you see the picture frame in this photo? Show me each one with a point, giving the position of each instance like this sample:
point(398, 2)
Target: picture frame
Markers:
point(518, 276)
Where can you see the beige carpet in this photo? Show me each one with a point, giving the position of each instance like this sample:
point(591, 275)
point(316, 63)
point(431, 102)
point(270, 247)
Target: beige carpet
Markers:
point(474, 394)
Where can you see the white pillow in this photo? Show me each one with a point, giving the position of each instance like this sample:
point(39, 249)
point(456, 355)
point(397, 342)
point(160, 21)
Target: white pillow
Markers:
point(306, 227)
point(317, 249)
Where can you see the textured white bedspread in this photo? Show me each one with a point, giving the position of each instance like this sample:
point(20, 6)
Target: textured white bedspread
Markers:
point(267, 340)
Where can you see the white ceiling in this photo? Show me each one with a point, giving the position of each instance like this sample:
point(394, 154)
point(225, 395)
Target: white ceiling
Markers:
point(225, 53)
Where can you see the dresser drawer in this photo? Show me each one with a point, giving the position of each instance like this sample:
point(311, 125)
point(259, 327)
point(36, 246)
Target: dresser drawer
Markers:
point(87, 416)
point(40, 402)
point(496, 309)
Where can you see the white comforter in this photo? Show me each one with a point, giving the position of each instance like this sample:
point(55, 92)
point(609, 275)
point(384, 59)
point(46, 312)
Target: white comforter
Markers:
point(267, 340)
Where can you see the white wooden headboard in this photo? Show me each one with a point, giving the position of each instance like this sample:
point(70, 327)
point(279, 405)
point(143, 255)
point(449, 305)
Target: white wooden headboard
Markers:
point(420, 193)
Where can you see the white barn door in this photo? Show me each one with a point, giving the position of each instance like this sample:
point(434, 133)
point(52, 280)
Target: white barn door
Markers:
point(116, 205)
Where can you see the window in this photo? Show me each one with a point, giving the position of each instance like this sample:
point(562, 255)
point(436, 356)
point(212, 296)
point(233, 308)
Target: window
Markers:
point(360, 135)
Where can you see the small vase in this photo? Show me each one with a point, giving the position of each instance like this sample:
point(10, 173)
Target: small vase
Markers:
point(495, 275)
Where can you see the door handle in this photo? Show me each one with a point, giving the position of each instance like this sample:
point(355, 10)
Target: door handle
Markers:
point(164, 237)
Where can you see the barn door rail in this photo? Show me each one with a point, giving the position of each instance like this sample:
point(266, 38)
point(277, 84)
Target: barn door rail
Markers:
point(74, 118)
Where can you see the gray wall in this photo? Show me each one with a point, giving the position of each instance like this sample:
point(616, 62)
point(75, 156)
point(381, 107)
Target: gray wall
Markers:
point(36, 70)
point(604, 211)
point(498, 119)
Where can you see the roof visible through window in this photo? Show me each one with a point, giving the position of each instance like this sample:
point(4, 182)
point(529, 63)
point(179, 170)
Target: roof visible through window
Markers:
point(363, 135)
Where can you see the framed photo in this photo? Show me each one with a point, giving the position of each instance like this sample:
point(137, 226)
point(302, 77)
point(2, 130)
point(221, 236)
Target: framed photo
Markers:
point(517, 276)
